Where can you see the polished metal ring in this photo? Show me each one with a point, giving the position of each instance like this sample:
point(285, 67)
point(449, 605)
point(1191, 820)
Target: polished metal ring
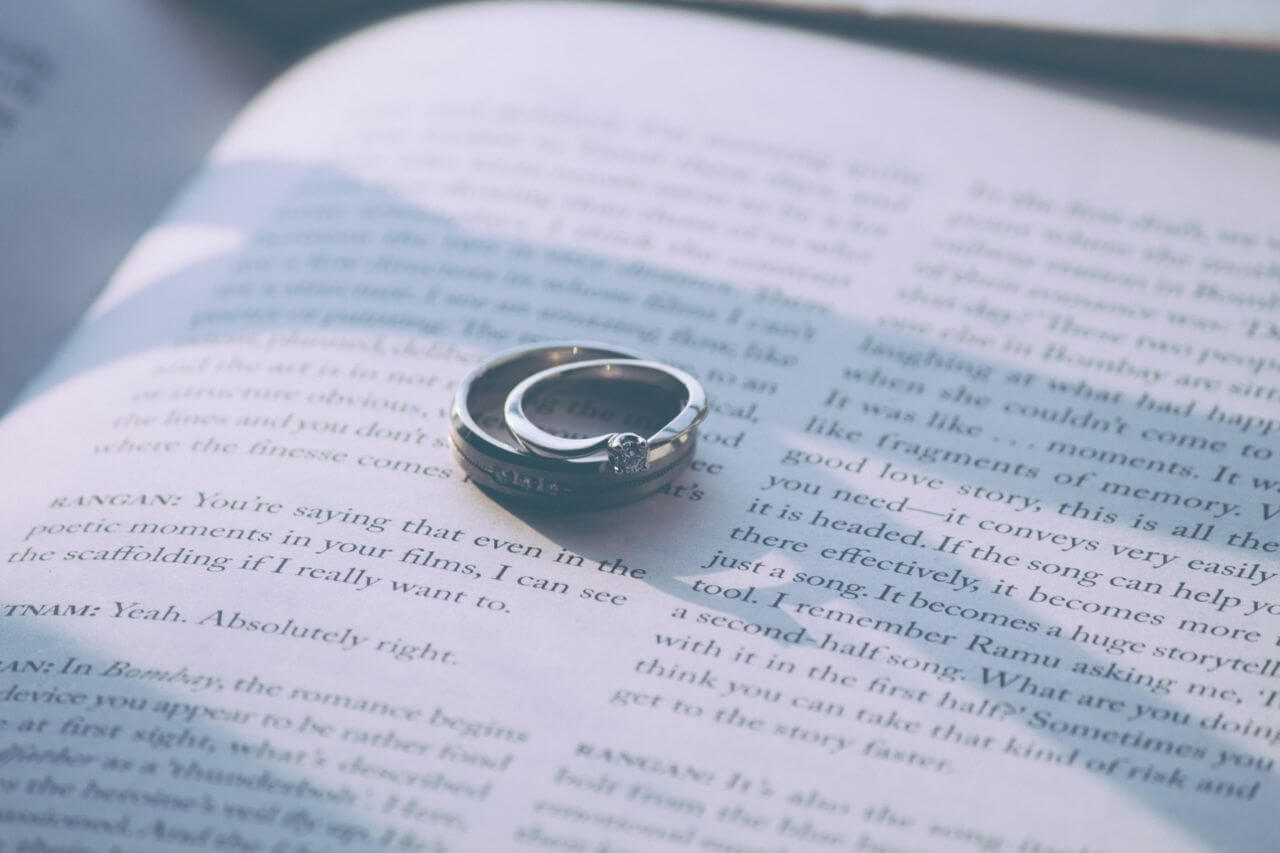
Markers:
point(493, 460)
point(625, 452)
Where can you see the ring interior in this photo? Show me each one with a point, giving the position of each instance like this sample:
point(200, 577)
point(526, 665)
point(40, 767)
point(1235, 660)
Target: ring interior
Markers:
point(489, 389)
point(604, 406)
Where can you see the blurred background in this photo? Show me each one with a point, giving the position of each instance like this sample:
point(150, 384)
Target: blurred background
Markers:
point(1221, 48)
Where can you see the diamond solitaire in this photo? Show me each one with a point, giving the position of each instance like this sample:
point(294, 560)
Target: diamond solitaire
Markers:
point(628, 453)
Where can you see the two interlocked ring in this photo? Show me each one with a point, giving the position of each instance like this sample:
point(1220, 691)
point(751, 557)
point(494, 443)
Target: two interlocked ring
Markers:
point(503, 450)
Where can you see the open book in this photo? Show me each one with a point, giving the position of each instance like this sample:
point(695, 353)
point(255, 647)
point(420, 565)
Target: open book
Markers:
point(980, 551)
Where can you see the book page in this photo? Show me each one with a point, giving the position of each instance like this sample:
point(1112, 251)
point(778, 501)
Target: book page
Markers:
point(979, 551)
point(105, 109)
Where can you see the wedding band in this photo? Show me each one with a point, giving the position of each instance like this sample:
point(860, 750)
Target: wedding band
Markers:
point(492, 459)
point(625, 452)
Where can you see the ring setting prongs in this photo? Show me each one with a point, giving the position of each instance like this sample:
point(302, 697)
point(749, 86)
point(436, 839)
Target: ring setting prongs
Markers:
point(628, 453)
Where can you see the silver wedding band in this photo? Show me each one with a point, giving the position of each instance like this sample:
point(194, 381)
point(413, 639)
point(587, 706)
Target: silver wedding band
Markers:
point(499, 462)
point(625, 452)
